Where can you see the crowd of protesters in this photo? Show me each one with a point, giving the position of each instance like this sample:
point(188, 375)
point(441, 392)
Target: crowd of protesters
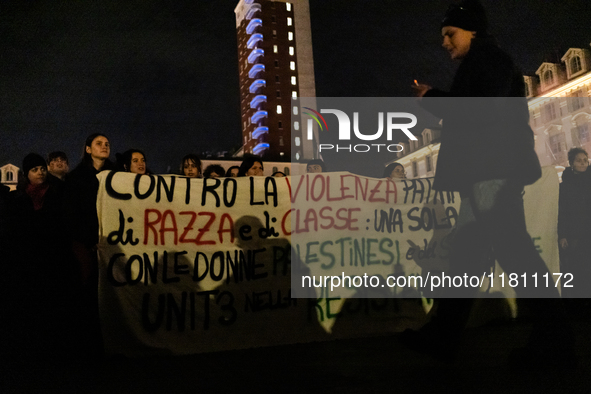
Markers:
point(49, 231)
point(49, 228)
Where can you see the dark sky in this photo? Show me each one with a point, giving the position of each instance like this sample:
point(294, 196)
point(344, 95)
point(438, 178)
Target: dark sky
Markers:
point(162, 75)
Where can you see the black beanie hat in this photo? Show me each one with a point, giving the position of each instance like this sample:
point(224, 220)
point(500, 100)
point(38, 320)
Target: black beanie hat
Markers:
point(468, 15)
point(32, 160)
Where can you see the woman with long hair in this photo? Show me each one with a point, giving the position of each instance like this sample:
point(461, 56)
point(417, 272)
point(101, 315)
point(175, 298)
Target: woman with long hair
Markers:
point(191, 166)
point(251, 166)
point(132, 160)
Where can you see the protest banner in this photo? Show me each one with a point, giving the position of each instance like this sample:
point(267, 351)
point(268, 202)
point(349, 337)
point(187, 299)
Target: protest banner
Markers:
point(198, 265)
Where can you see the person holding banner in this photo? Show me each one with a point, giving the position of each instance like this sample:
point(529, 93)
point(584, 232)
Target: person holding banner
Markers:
point(191, 166)
point(132, 160)
point(487, 154)
point(81, 220)
point(251, 166)
point(394, 171)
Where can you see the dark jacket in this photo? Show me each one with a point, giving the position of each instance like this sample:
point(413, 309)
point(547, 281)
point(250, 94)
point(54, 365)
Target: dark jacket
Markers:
point(38, 236)
point(574, 205)
point(485, 132)
point(80, 205)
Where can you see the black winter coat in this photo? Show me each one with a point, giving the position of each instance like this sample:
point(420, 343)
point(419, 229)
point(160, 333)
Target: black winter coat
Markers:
point(485, 132)
point(574, 206)
point(80, 205)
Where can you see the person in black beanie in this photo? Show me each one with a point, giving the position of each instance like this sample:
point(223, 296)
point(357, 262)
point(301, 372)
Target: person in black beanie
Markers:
point(487, 154)
point(39, 257)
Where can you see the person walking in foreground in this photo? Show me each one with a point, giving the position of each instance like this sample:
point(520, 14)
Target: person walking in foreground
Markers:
point(487, 154)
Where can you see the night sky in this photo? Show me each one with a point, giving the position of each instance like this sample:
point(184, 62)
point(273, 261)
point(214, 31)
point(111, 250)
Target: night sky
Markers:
point(162, 75)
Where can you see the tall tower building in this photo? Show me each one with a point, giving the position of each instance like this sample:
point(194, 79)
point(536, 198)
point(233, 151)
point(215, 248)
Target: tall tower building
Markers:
point(275, 65)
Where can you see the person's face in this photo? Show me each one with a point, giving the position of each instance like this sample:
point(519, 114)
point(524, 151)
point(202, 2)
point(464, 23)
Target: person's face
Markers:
point(457, 41)
point(581, 162)
point(234, 172)
point(215, 175)
point(398, 172)
point(138, 163)
point(190, 169)
point(255, 170)
point(59, 166)
point(100, 148)
point(37, 175)
point(314, 168)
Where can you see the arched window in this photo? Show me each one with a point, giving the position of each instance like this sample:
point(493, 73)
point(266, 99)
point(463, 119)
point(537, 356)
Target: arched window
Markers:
point(9, 176)
point(575, 65)
point(548, 77)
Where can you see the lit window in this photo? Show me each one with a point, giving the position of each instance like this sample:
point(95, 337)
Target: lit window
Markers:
point(293, 80)
point(292, 65)
point(274, 33)
point(288, 21)
point(280, 141)
point(288, 6)
point(296, 126)
point(295, 110)
point(274, 48)
point(291, 51)
point(278, 109)
point(290, 36)
point(575, 64)
point(294, 94)
point(297, 141)
point(548, 77)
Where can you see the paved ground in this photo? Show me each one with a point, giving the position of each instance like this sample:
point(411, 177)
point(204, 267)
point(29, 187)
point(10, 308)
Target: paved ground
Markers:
point(369, 365)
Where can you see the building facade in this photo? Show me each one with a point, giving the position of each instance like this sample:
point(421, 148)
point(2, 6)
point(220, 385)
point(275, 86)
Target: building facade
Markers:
point(275, 66)
point(559, 101)
point(9, 175)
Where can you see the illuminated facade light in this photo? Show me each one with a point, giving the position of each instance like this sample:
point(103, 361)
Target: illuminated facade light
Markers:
point(254, 8)
point(258, 116)
point(259, 131)
point(254, 70)
point(253, 40)
point(258, 100)
point(253, 25)
point(255, 54)
point(260, 148)
point(257, 84)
